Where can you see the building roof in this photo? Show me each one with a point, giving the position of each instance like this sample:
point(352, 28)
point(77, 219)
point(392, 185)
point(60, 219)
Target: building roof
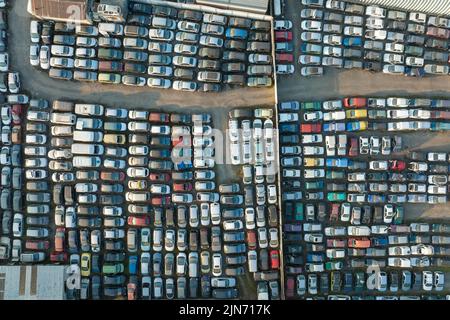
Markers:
point(60, 10)
point(259, 6)
point(32, 282)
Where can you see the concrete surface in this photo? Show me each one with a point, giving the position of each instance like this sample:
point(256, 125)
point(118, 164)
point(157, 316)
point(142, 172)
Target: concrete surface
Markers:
point(39, 85)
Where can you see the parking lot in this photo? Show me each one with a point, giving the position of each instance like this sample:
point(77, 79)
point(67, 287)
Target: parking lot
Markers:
point(40, 85)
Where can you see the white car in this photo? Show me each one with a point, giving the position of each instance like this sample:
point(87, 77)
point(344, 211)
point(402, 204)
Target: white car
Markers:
point(427, 280)
point(249, 218)
point(311, 25)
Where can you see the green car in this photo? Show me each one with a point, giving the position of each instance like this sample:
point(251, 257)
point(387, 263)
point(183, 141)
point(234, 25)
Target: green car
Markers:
point(110, 54)
point(336, 196)
point(113, 268)
point(335, 265)
point(110, 78)
point(311, 105)
point(332, 174)
point(399, 214)
point(314, 185)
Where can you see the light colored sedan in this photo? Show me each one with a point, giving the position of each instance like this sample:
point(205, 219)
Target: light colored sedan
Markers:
point(184, 85)
point(159, 83)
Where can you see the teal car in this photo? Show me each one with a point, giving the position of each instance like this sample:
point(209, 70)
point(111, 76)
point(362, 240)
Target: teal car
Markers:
point(336, 196)
point(311, 105)
point(310, 185)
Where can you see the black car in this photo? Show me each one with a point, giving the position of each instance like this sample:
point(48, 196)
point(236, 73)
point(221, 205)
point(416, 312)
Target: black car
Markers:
point(85, 210)
point(114, 257)
point(193, 287)
point(47, 32)
point(135, 68)
point(375, 126)
point(233, 213)
point(191, 15)
point(160, 141)
point(140, 7)
point(257, 36)
point(240, 113)
point(264, 259)
point(165, 11)
point(180, 118)
point(209, 64)
point(95, 287)
point(372, 66)
point(39, 221)
point(225, 293)
point(206, 286)
point(139, 20)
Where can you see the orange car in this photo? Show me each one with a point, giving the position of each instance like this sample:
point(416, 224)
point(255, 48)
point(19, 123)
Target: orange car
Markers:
point(360, 243)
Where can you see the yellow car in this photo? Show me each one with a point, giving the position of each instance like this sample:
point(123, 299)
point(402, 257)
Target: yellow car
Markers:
point(313, 162)
point(356, 113)
point(85, 264)
point(137, 184)
point(114, 138)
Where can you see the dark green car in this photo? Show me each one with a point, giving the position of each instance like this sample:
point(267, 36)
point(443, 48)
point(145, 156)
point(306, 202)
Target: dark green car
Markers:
point(110, 54)
point(336, 196)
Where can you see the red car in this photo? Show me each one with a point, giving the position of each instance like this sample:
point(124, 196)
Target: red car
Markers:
point(131, 291)
point(112, 176)
point(16, 112)
point(290, 285)
point(182, 187)
point(355, 102)
point(335, 243)
point(397, 165)
point(284, 57)
point(283, 36)
point(353, 151)
point(251, 239)
point(334, 215)
point(159, 177)
point(60, 237)
point(274, 259)
point(160, 201)
point(37, 244)
point(58, 257)
point(359, 243)
point(158, 117)
point(310, 128)
point(139, 221)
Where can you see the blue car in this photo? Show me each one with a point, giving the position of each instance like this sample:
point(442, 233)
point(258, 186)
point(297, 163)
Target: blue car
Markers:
point(379, 242)
point(236, 33)
point(334, 127)
point(354, 126)
point(437, 126)
point(339, 163)
point(414, 72)
point(315, 257)
point(352, 42)
point(132, 264)
point(376, 198)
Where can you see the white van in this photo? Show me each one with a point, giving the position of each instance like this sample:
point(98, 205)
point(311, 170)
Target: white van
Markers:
point(86, 162)
point(157, 239)
point(89, 149)
point(63, 118)
point(89, 109)
point(342, 145)
point(87, 136)
point(62, 131)
point(252, 261)
point(330, 142)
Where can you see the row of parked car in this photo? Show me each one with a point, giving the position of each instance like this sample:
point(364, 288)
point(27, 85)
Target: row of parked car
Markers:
point(360, 114)
point(180, 44)
point(341, 34)
point(252, 144)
